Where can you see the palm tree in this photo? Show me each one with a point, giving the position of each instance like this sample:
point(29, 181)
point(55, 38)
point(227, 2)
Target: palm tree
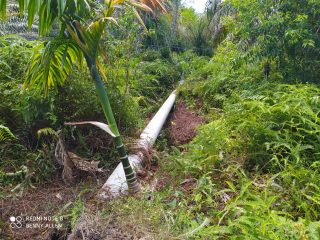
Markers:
point(176, 6)
point(216, 9)
point(82, 24)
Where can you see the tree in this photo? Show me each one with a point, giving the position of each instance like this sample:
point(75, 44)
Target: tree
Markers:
point(216, 10)
point(176, 6)
point(282, 31)
point(82, 24)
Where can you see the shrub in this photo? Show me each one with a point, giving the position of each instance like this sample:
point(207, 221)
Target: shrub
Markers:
point(154, 80)
point(270, 127)
point(269, 130)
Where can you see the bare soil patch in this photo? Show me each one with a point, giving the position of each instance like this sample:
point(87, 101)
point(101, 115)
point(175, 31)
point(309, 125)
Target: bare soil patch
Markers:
point(47, 200)
point(183, 124)
point(55, 198)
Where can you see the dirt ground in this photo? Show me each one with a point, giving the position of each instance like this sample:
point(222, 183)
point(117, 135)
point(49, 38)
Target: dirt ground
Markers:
point(183, 124)
point(46, 200)
point(56, 198)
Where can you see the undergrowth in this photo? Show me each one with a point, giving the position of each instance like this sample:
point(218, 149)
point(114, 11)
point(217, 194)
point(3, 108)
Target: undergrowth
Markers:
point(135, 88)
point(252, 172)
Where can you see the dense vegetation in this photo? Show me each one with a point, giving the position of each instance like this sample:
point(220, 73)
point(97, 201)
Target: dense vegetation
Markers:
point(251, 69)
point(255, 162)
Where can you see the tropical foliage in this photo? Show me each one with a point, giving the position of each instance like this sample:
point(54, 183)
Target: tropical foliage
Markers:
point(254, 165)
point(80, 36)
point(251, 70)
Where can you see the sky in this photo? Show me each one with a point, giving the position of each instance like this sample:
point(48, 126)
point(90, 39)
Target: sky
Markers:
point(198, 5)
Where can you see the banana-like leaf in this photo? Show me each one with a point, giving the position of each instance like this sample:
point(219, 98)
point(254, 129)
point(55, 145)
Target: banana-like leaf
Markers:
point(100, 125)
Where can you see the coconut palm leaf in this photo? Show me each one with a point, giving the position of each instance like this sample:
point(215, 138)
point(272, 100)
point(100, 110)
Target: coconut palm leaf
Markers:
point(48, 10)
point(217, 9)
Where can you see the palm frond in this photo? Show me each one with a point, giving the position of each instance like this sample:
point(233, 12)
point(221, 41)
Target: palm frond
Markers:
point(52, 62)
point(155, 4)
point(216, 10)
point(47, 11)
point(88, 37)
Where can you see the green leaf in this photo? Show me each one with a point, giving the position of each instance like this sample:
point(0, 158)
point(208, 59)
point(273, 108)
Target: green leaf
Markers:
point(61, 6)
point(5, 134)
point(48, 6)
point(3, 8)
point(33, 8)
point(46, 132)
point(51, 64)
point(22, 6)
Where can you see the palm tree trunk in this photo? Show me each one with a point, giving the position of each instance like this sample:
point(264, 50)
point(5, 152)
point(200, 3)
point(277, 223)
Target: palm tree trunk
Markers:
point(133, 185)
point(175, 19)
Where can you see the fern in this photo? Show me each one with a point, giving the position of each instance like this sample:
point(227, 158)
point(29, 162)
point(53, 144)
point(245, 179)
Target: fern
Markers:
point(6, 134)
point(46, 132)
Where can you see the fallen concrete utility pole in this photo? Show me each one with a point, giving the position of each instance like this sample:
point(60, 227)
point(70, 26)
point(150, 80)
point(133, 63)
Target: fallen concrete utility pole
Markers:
point(116, 184)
